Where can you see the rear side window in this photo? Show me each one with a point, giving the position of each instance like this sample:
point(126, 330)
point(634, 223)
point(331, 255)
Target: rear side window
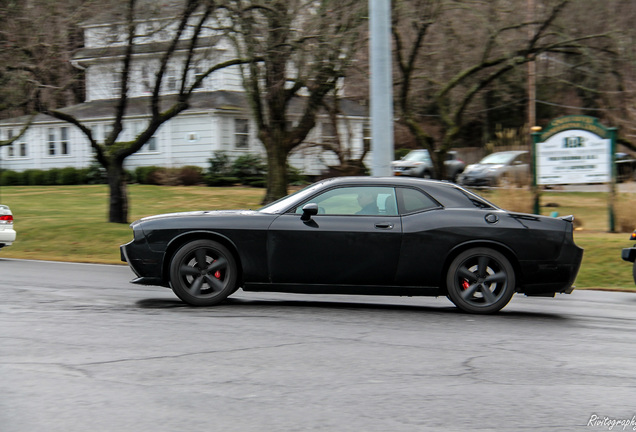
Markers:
point(412, 200)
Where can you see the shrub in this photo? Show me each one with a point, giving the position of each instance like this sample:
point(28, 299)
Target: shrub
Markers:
point(160, 176)
point(51, 177)
point(68, 176)
point(219, 172)
point(10, 178)
point(147, 174)
point(33, 177)
point(190, 175)
point(214, 180)
point(295, 176)
point(95, 174)
point(249, 169)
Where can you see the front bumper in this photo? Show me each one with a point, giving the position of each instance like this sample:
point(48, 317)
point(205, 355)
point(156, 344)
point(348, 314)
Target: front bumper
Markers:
point(629, 254)
point(468, 180)
point(144, 262)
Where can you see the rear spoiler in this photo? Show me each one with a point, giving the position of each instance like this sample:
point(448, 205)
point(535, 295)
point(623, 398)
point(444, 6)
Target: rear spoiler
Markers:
point(568, 218)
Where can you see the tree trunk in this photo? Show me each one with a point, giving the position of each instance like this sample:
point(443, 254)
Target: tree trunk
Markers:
point(277, 172)
point(118, 206)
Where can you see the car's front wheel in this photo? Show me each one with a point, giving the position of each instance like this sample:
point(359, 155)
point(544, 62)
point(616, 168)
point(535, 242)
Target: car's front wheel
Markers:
point(480, 280)
point(203, 273)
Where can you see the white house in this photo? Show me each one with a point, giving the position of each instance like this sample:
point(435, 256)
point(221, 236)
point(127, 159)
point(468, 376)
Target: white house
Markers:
point(219, 118)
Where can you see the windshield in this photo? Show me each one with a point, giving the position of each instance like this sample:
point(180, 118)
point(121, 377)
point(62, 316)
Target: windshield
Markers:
point(284, 203)
point(417, 156)
point(498, 158)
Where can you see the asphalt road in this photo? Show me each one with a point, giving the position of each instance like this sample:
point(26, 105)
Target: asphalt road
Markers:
point(81, 349)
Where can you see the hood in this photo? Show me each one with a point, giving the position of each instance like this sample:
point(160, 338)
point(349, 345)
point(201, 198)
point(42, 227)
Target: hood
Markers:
point(477, 168)
point(197, 213)
point(403, 163)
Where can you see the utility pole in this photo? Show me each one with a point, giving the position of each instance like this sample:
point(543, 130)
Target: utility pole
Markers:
point(532, 112)
point(532, 72)
point(381, 87)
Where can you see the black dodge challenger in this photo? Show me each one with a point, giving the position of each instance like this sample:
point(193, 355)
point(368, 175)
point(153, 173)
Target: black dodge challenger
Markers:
point(360, 235)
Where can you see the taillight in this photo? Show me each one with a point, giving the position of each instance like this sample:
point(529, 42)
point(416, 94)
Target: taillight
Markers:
point(6, 219)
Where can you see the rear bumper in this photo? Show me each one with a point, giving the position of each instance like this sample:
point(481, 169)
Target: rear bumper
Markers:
point(7, 237)
point(555, 277)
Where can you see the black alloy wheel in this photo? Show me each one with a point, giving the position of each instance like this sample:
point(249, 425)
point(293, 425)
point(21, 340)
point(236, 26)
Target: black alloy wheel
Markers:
point(480, 280)
point(203, 273)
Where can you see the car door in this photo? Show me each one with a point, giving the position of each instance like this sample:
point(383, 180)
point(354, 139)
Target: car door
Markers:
point(353, 240)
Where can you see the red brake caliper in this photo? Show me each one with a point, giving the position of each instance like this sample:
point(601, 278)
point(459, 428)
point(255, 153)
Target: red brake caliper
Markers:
point(465, 284)
point(217, 274)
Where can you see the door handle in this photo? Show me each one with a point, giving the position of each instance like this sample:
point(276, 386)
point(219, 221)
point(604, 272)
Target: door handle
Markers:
point(384, 225)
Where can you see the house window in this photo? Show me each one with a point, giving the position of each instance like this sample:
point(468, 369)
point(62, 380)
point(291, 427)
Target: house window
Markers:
point(171, 80)
point(64, 147)
point(198, 72)
point(58, 142)
point(23, 150)
point(329, 134)
point(145, 79)
point(366, 137)
point(108, 129)
point(10, 149)
point(51, 142)
point(241, 133)
point(116, 82)
point(151, 145)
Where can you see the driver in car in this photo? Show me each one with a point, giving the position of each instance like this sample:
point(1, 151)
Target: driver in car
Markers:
point(368, 203)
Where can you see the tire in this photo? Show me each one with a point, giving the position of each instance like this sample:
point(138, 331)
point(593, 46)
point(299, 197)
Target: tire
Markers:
point(480, 281)
point(634, 272)
point(203, 273)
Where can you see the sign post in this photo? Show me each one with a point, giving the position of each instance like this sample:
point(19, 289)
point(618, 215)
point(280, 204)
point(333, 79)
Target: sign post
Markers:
point(575, 150)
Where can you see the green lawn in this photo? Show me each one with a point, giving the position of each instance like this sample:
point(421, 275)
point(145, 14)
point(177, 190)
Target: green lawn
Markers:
point(67, 223)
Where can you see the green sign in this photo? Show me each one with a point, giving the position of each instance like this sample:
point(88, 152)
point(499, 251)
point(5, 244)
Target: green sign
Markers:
point(575, 150)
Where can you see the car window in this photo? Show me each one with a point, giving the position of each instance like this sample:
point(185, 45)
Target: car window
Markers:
point(361, 200)
point(413, 200)
point(498, 158)
point(523, 158)
point(417, 156)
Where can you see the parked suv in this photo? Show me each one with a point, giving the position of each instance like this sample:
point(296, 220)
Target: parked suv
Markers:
point(511, 166)
point(7, 233)
point(418, 163)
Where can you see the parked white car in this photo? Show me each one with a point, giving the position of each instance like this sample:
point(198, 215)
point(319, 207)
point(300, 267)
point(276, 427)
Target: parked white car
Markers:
point(7, 233)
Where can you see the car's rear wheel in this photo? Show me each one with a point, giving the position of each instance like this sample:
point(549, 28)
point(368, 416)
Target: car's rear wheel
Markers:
point(480, 280)
point(203, 273)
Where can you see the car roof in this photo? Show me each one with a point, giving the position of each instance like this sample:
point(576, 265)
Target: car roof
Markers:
point(511, 152)
point(446, 193)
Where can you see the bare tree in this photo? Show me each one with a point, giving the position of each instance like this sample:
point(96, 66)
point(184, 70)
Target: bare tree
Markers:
point(191, 19)
point(299, 50)
point(37, 40)
point(498, 42)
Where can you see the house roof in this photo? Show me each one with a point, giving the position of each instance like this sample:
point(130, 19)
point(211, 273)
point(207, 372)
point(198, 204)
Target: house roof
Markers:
point(200, 101)
point(146, 9)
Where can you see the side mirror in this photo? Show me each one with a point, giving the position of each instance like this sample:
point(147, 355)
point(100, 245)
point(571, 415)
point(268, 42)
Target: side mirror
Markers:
point(309, 210)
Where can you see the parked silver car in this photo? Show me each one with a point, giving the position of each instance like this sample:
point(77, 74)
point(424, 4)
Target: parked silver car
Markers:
point(7, 233)
point(418, 163)
point(514, 166)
